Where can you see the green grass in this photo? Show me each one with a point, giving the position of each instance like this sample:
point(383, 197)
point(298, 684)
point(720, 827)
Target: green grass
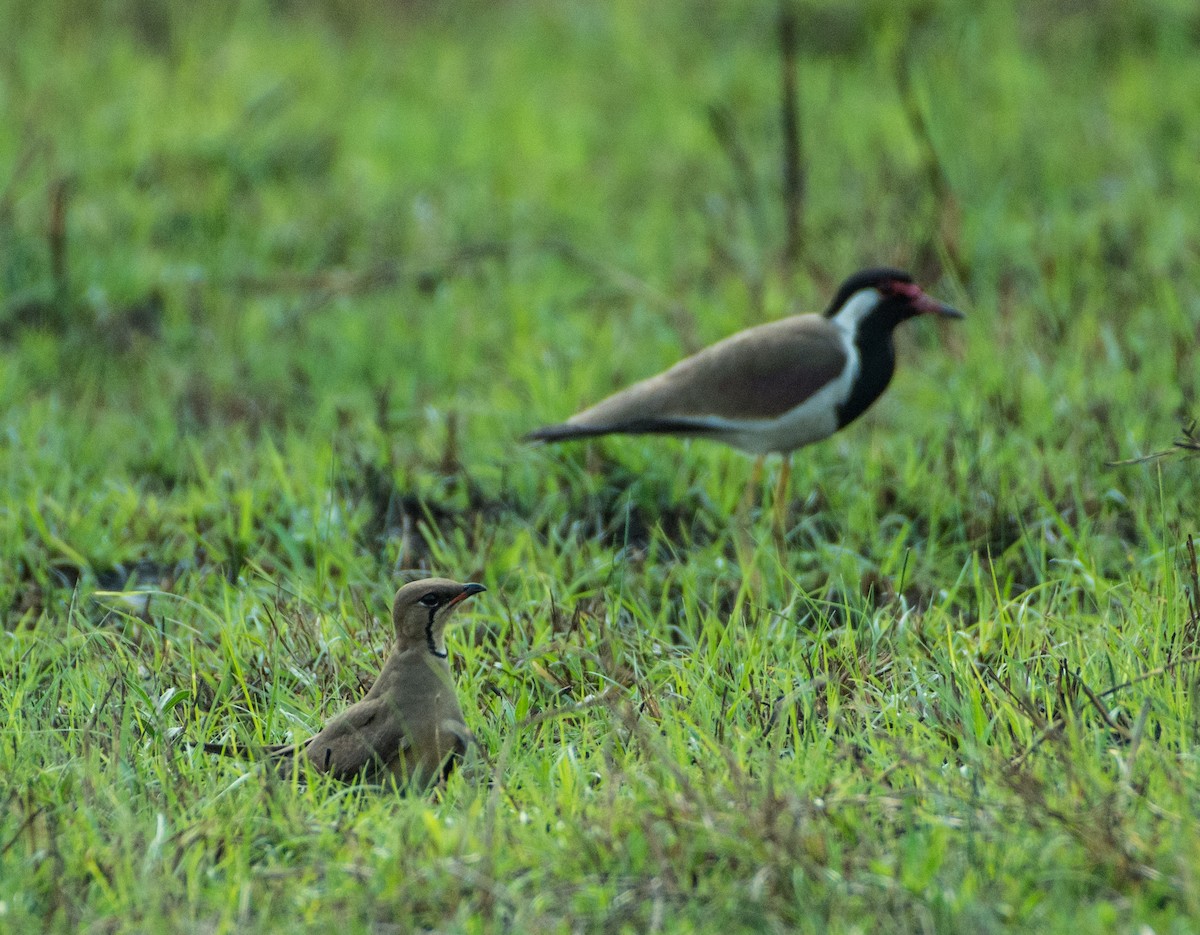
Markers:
point(281, 285)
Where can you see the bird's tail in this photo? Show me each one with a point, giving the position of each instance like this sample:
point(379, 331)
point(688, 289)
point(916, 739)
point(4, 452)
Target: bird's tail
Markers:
point(565, 432)
point(658, 425)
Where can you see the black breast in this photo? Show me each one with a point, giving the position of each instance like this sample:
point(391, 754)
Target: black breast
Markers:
point(877, 362)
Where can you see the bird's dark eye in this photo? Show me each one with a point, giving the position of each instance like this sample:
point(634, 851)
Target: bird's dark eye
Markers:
point(431, 600)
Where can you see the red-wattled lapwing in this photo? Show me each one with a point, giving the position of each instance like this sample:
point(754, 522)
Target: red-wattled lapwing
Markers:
point(773, 387)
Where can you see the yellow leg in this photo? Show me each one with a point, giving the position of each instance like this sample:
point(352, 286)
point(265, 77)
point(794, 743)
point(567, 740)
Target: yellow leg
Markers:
point(751, 491)
point(782, 496)
point(743, 542)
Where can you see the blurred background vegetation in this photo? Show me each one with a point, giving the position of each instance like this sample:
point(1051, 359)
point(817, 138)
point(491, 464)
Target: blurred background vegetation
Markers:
point(282, 283)
point(368, 226)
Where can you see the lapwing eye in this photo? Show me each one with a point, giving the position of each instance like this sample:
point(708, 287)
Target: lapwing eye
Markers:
point(431, 600)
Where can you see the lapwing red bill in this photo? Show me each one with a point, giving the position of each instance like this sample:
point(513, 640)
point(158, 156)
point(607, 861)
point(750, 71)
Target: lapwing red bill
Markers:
point(775, 387)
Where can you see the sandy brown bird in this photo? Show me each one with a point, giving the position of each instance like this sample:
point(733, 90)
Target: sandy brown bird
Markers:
point(775, 387)
point(409, 727)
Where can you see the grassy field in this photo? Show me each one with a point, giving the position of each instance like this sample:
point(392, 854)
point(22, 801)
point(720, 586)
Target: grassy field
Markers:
point(281, 286)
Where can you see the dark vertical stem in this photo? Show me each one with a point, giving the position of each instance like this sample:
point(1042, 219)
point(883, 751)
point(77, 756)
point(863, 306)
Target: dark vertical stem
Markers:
point(57, 236)
point(451, 465)
point(721, 121)
point(936, 179)
point(935, 176)
point(724, 128)
point(789, 103)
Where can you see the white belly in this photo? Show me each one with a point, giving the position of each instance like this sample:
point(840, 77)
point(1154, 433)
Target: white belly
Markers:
point(811, 421)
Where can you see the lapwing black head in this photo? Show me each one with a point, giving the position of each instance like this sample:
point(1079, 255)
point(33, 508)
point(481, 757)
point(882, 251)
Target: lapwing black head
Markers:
point(883, 298)
point(867, 308)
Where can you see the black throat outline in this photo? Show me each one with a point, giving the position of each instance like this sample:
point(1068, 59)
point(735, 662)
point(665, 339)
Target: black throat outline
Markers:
point(876, 363)
point(429, 635)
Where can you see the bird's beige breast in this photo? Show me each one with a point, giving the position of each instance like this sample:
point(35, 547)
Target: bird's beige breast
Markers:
point(433, 744)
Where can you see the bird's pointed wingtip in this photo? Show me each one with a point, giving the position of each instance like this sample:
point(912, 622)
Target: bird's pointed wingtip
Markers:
point(562, 432)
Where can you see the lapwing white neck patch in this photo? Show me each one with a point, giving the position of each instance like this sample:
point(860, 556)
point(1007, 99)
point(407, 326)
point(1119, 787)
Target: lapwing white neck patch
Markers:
point(857, 308)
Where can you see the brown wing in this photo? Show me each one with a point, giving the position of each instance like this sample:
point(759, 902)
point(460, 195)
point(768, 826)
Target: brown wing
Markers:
point(364, 740)
point(760, 373)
